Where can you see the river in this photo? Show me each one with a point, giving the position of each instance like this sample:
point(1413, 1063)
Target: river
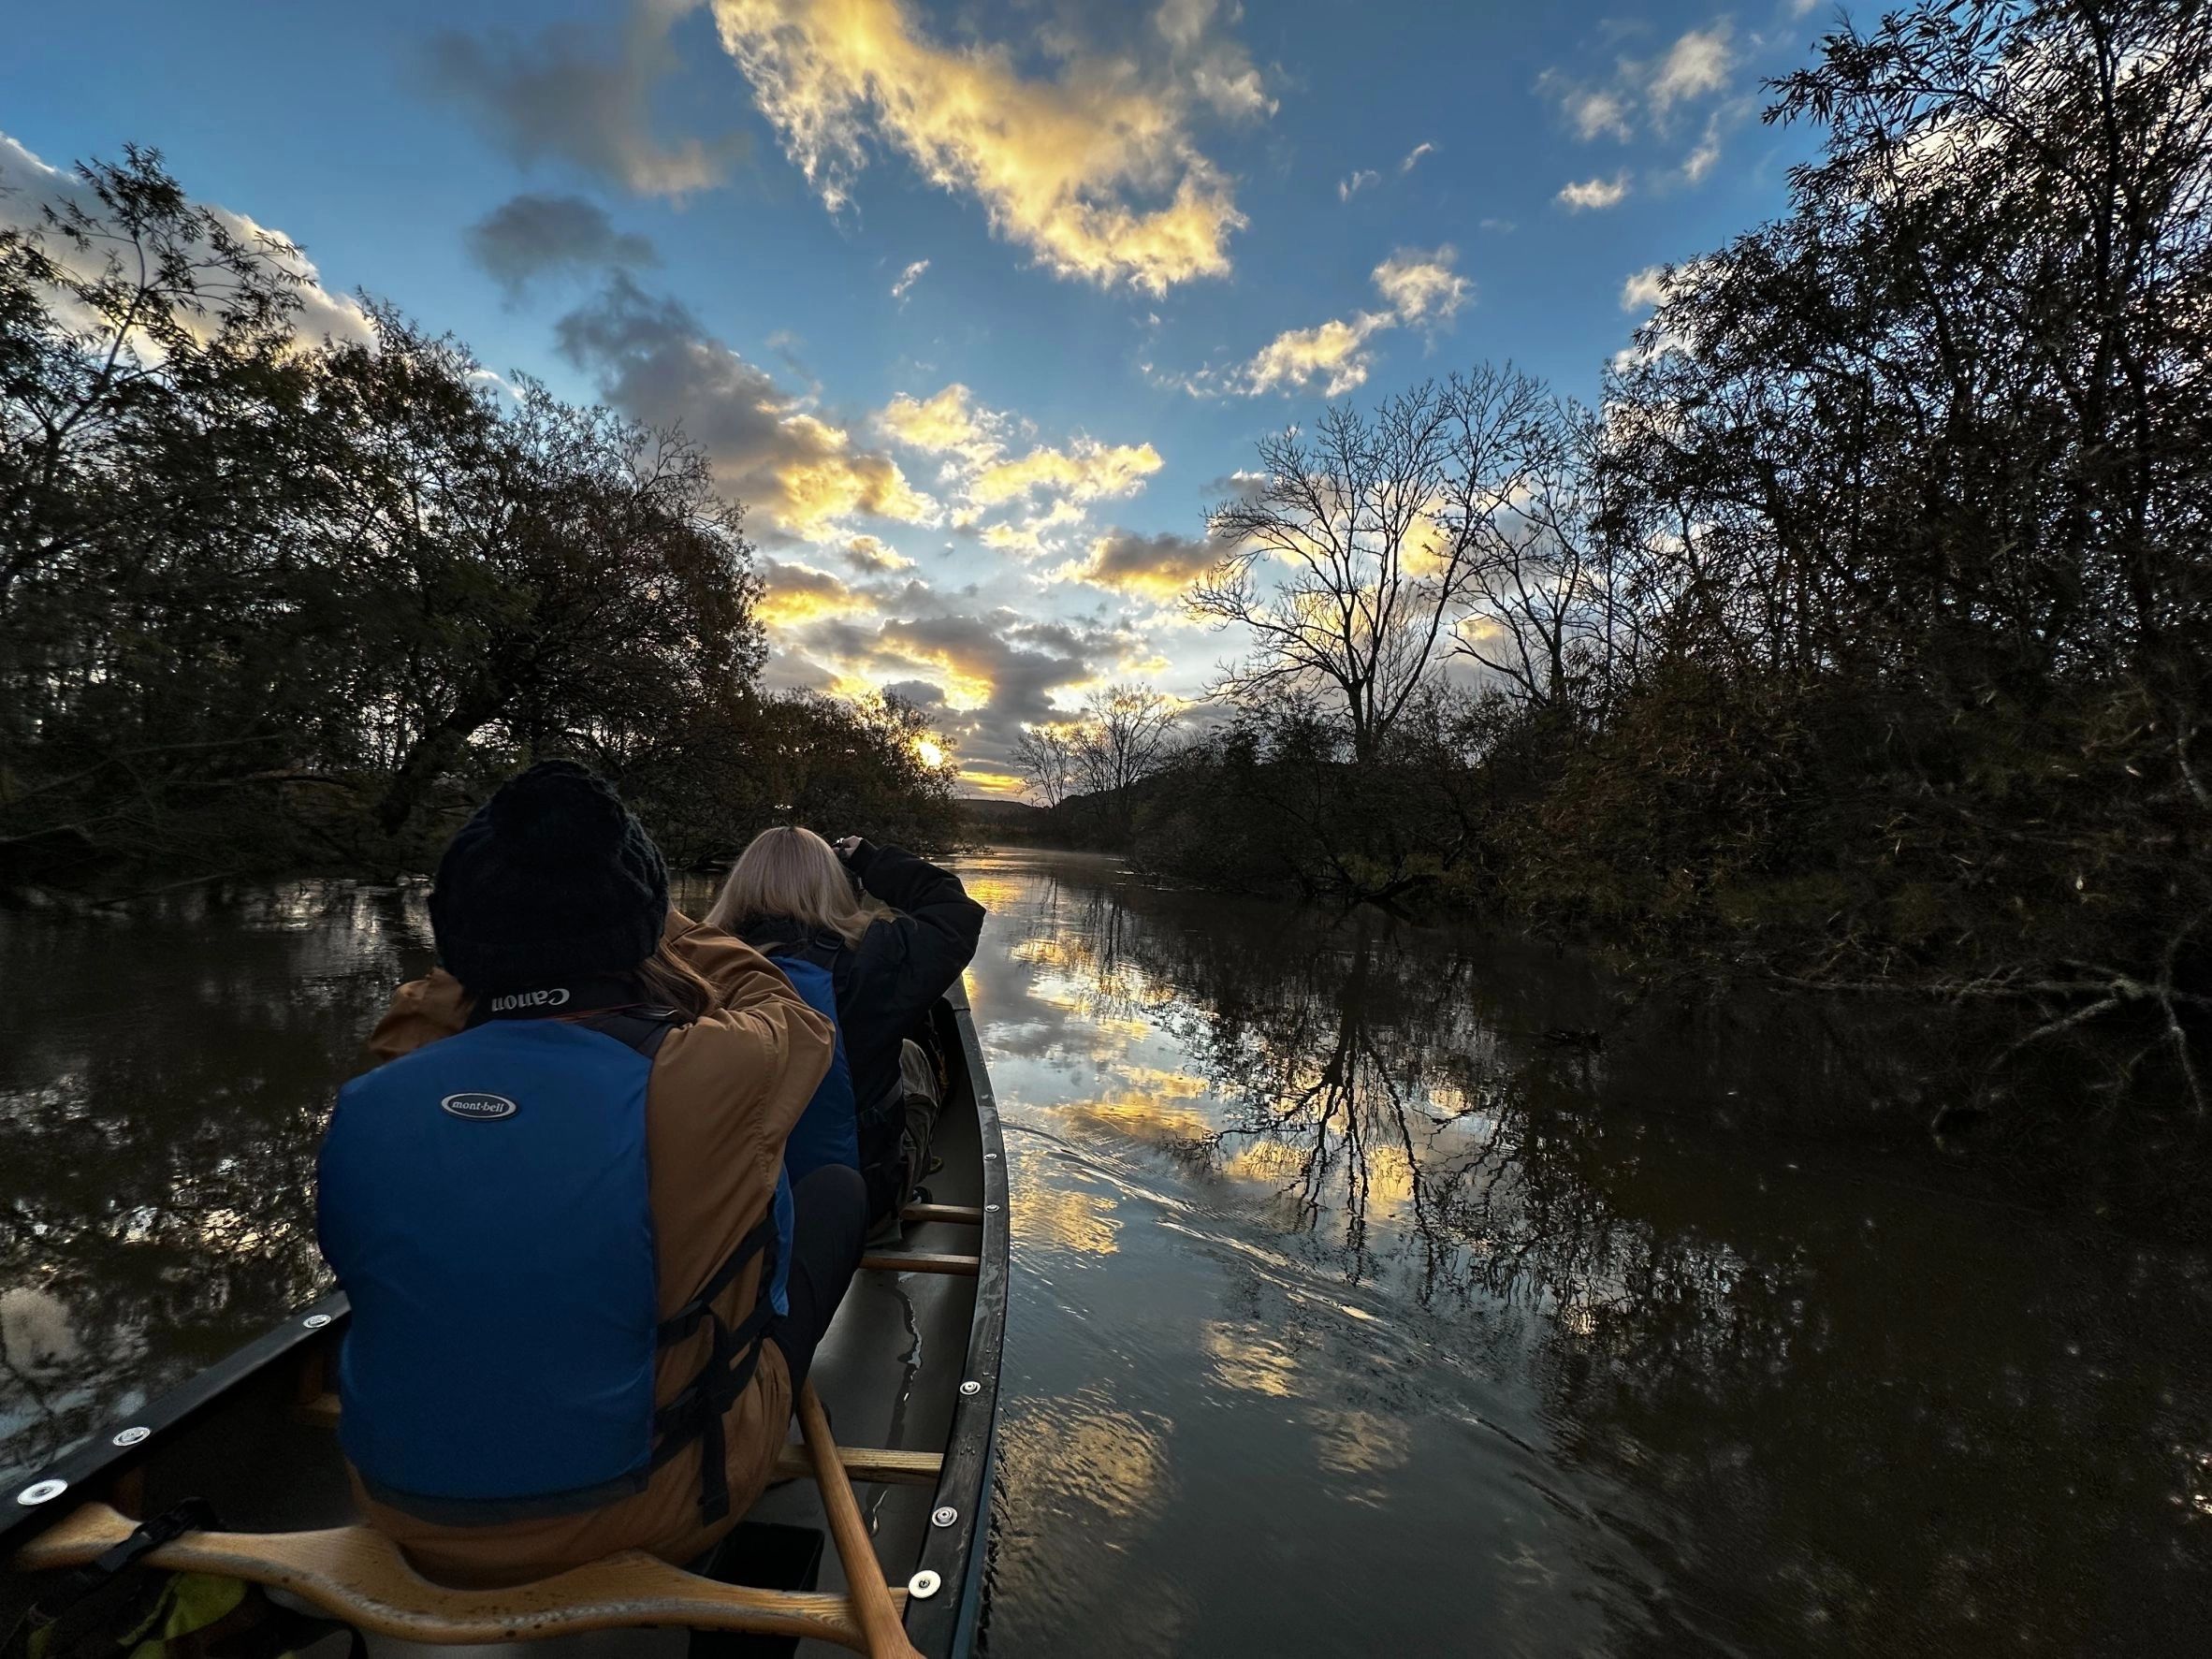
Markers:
point(1360, 1303)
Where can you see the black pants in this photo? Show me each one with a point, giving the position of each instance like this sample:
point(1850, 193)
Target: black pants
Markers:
point(829, 1219)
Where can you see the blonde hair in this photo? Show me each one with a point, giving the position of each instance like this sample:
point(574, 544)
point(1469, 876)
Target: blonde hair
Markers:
point(791, 874)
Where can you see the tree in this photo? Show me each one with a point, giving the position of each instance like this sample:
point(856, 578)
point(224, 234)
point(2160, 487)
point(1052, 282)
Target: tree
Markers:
point(1547, 612)
point(561, 576)
point(267, 603)
point(1045, 756)
point(1122, 740)
point(1355, 553)
point(1917, 476)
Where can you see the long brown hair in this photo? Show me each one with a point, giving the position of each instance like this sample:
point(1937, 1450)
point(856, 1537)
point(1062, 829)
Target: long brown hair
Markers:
point(667, 979)
point(788, 874)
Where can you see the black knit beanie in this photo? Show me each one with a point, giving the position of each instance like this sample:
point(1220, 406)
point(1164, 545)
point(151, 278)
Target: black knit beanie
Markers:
point(551, 881)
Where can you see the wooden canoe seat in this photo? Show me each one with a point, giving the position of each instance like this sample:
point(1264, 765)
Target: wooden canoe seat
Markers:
point(359, 1575)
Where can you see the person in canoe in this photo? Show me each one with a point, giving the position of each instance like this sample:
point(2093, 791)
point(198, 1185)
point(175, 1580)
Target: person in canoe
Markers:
point(799, 899)
point(584, 1293)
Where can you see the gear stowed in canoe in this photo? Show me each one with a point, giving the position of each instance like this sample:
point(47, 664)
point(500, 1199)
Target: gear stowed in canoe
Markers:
point(908, 1373)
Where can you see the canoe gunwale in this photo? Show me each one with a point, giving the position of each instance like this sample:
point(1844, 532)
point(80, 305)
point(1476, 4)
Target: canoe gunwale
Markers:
point(946, 1622)
point(96, 1466)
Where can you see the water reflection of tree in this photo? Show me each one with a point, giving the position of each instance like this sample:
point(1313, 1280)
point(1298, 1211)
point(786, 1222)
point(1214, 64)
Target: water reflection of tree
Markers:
point(164, 1090)
point(1839, 1417)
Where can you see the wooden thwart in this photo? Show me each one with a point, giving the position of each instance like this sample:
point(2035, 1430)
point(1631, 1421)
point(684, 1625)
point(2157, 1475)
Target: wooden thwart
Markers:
point(359, 1575)
point(868, 1463)
point(921, 1261)
point(967, 1215)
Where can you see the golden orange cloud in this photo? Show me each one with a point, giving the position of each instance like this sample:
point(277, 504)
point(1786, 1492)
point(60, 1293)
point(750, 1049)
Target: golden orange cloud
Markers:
point(1084, 470)
point(950, 423)
point(797, 594)
point(1059, 166)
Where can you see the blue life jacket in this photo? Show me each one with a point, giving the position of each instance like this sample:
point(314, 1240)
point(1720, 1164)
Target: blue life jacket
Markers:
point(483, 1202)
point(828, 1131)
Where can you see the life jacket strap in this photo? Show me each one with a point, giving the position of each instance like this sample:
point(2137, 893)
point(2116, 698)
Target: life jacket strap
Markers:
point(761, 1240)
point(695, 1415)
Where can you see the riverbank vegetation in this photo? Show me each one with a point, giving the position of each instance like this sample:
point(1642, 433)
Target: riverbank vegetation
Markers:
point(1858, 639)
point(270, 604)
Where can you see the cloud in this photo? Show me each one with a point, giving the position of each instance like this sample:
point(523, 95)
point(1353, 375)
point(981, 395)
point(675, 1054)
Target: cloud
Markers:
point(1422, 288)
point(655, 362)
point(1095, 171)
point(1592, 111)
point(1156, 567)
point(951, 423)
point(1348, 187)
point(972, 441)
point(1333, 352)
point(1414, 157)
point(1083, 472)
point(985, 673)
point(570, 96)
point(1645, 289)
point(534, 235)
point(1418, 290)
point(1695, 64)
point(1596, 193)
point(907, 279)
point(871, 556)
point(796, 595)
point(1642, 95)
point(1700, 161)
point(1220, 71)
point(29, 185)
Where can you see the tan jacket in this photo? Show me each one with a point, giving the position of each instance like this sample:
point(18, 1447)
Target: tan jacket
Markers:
point(720, 1101)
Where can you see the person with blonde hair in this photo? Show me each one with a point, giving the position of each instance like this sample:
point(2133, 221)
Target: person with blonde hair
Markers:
point(797, 897)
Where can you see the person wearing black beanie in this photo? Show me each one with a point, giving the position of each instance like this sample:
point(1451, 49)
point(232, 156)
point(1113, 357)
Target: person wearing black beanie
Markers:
point(584, 1295)
point(552, 880)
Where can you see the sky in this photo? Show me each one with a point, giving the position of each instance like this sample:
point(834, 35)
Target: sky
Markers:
point(977, 307)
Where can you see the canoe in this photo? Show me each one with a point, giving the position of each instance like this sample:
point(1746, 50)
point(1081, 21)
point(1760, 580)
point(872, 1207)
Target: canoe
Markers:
point(908, 1375)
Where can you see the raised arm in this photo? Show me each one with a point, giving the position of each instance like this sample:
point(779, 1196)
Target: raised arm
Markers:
point(909, 962)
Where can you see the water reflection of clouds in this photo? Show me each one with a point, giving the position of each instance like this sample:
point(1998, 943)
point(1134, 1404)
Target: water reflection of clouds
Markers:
point(1351, 1442)
point(1053, 1209)
point(1250, 1361)
point(1366, 1203)
point(1084, 1453)
point(1140, 1117)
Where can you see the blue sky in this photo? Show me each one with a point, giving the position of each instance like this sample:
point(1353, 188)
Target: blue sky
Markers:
point(1138, 238)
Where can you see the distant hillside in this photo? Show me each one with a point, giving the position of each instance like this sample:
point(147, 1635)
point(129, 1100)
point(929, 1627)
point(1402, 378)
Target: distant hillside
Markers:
point(998, 816)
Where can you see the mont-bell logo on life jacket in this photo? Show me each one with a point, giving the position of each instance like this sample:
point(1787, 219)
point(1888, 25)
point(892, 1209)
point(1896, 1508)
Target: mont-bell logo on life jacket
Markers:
point(479, 1107)
point(515, 1001)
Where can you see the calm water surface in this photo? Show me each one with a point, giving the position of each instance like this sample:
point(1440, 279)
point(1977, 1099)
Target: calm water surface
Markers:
point(1354, 1309)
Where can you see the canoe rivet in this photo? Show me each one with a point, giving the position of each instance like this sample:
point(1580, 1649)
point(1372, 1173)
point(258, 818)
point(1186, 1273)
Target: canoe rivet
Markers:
point(41, 1491)
point(944, 1515)
point(132, 1435)
point(924, 1585)
point(971, 1386)
point(991, 1209)
point(315, 1321)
